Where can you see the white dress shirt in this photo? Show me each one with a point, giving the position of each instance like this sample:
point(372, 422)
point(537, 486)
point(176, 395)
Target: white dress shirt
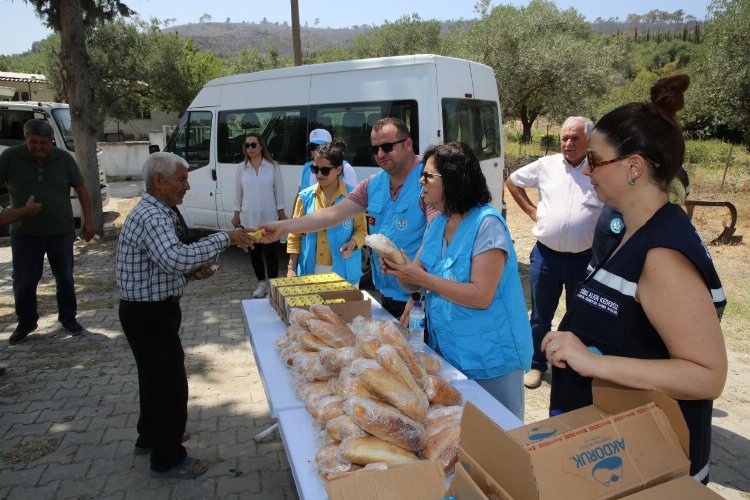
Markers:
point(568, 206)
point(258, 196)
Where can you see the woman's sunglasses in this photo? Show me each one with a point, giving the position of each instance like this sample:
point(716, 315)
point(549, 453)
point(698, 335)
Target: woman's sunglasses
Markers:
point(251, 145)
point(593, 163)
point(429, 175)
point(322, 170)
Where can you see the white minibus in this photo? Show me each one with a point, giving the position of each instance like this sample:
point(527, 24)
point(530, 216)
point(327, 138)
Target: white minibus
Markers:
point(441, 99)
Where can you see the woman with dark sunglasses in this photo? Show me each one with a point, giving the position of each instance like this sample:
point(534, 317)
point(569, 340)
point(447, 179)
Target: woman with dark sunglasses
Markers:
point(337, 248)
point(467, 268)
point(648, 315)
point(259, 196)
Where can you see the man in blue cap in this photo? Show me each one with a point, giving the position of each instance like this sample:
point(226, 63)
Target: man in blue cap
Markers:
point(318, 137)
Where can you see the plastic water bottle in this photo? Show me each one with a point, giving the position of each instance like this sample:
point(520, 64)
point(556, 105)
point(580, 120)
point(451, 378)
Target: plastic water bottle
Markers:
point(416, 327)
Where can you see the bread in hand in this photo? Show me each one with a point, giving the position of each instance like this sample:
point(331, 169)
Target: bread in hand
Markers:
point(384, 247)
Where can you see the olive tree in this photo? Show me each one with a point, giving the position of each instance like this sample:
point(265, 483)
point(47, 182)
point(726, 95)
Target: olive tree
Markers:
point(719, 97)
point(546, 61)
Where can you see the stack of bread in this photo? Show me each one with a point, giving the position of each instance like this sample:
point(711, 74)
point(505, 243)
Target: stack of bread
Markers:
point(376, 401)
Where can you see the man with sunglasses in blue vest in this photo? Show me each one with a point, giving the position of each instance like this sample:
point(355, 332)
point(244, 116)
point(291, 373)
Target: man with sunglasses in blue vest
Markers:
point(391, 199)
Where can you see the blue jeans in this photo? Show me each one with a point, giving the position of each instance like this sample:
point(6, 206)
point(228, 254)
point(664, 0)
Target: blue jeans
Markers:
point(28, 263)
point(549, 272)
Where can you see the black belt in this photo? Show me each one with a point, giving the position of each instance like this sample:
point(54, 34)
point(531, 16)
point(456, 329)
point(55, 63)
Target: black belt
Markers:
point(585, 253)
point(172, 299)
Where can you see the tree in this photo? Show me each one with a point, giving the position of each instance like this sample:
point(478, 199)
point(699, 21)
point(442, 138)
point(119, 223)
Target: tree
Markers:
point(407, 35)
point(70, 18)
point(546, 61)
point(205, 18)
point(152, 69)
point(720, 94)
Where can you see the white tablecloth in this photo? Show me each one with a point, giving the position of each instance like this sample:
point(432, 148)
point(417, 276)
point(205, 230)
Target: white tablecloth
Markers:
point(301, 440)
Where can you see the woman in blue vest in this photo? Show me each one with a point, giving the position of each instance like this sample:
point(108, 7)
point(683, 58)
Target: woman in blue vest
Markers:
point(648, 315)
point(467, 268)
point(337, 248)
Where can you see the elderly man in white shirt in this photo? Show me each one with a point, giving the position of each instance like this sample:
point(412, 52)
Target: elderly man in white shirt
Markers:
point(565, 218)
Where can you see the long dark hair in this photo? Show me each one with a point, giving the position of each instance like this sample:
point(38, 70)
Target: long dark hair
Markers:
point(650, 128)
point(464, 184)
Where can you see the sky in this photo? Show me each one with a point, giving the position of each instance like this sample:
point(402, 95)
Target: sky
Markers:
point(22, 27)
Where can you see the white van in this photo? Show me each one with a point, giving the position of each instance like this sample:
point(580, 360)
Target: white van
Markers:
point(441, 99)
point(14, 114)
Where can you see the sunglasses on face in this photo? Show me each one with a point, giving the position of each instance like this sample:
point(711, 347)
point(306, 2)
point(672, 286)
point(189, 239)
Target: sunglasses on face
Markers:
point(386, 147)
point(322, 170)
point(594, 163)
point(429, 175)
point(251, 145)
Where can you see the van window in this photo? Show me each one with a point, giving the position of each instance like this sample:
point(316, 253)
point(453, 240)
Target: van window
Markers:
point(352, 123)
point(283, 129)
point(286, 130)
point(11, 126)
point(475, 123)
point(65, 126)
point(192, 138)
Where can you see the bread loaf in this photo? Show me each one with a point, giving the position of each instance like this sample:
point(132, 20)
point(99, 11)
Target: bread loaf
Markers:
point(325, 313)
point(298, 317)
point(333, 335)
point(391, 389)
point(443, 446)
point(432, 364)
point(348, 385)
point(343, 427)
point(366, 450)
point(390, 360)
point(393, 334)
point(329, 461)
point(336, 359)
point(312, 343)
point(386, 422)
point(440, 392)
point(384, 247)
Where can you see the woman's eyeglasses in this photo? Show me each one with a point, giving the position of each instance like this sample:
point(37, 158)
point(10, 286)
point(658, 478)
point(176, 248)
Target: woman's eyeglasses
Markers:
point(251, 145)
point(429, 175)
point(322, 170)
point(594, 163)
point(386, 147)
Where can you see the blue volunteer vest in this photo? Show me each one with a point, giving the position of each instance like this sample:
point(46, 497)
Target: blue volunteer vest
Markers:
point(304, 180)
point(482, 343)
point(351, 268)
point(401, 220)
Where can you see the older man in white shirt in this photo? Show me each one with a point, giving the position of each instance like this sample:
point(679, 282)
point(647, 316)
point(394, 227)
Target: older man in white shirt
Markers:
point(565, 219)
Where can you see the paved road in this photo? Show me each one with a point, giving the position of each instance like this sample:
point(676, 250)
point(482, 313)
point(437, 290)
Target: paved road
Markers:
point(69, 405)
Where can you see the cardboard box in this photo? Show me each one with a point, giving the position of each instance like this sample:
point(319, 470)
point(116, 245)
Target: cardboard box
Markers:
point(627, 441)
point(421, 480)
point(354, 304)
point(276, 283)
point(464, 488)
point(684, 487)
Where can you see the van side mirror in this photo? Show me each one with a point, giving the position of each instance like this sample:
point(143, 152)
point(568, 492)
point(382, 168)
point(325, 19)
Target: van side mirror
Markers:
point(153, 148)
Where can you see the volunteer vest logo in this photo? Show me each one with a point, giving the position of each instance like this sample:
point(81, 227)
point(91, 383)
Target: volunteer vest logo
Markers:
point(348, 224)
point(401, 224)
point(608, 471)
point(616, 225)
point(540, 432)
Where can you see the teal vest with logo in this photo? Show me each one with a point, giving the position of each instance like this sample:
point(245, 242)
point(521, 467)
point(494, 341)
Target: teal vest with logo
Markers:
point(482, 343)
point(350, 269)
point(402, 220)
